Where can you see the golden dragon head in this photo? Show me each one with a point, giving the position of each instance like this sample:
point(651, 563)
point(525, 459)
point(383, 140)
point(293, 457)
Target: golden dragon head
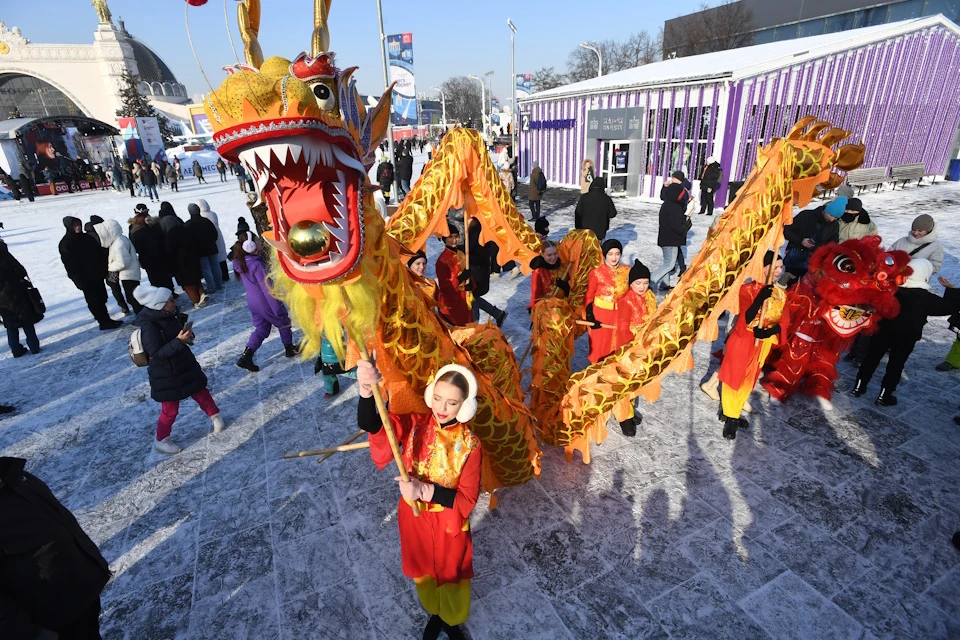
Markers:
point(304, 134)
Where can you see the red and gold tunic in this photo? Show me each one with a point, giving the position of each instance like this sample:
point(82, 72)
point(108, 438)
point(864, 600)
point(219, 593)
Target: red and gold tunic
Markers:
point(605, 286)
point(451, 295)
point(543, 282)
point(438, 543)
point(633, 313)
point(742, 359)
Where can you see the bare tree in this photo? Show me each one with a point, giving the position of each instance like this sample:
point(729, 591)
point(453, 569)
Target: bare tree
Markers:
point(463, 99)
point(639, 49)
point(546, 78)
point(729, 25)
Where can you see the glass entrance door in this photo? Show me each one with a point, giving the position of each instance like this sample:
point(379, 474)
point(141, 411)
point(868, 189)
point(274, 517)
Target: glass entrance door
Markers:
point(615, 160)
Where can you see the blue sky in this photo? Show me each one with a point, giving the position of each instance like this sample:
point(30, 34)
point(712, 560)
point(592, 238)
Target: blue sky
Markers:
point(451, 37)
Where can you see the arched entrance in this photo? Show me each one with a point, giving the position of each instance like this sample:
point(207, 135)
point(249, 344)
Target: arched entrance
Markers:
point(31, 97)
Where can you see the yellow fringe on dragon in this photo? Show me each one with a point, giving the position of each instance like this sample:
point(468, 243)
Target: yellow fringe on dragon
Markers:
point(786, 174)
point(308, 141)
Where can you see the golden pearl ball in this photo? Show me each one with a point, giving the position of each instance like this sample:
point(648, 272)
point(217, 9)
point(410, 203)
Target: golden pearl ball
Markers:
point(308, 238)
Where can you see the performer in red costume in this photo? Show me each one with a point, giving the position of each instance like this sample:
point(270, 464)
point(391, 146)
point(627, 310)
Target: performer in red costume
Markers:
point(443, 459)
point(634, 311)
point(453, 282)
point(605, 286)
point(762, 320)
point(546, 276)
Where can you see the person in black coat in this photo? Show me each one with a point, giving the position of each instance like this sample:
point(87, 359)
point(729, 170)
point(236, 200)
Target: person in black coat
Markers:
point(203, 235)
point(385, 177)
point(173, 370)
point(16, 308)
point(149, 181)
point(404, 173)
point(595, 209)
point(674, 225)
point(53, 572)
point(899, 335)
point(480, 272)
point(82, 257)
point(113, 279)
point(709, 181)
point(810, 229)
point(182, 253)
point(27, 187)
point(147, 238)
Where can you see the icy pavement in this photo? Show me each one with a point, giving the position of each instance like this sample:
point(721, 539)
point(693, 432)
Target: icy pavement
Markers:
point(807, 526)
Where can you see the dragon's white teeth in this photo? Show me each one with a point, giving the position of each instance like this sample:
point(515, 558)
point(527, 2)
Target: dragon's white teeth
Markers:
point(295, 151)
point(341, 179)
point(348, 160)
point(340, 234)
point(309, 171)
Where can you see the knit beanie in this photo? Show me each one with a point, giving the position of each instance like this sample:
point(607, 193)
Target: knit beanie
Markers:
point(854, 204)
point(415, 257)
point(608, 244)
point(836, 207)
point(95, 219)
point(679, 175)
point(769, 257)
point(923, 222)
point(638, 271)
point(541, 226)
point(242, 226)
point(152, 297)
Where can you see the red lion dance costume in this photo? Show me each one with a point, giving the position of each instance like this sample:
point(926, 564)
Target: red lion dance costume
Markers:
point(847, 286)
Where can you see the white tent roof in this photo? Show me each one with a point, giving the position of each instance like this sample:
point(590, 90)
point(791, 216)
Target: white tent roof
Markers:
point(743, 62)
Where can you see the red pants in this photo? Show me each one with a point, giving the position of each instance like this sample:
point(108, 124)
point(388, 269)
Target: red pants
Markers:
point(170, 409)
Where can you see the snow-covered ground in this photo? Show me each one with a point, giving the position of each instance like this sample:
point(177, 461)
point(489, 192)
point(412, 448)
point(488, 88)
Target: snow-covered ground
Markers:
point(807, 526)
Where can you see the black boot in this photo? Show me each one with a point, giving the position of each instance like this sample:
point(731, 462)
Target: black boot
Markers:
point(886, 398)
point(246, 361)
point(433, 628)
point(730, 428)
point(109, 324)
point(859, 388)
point(291, 350)
point(743, 423)
point(453, 631)
point(629, 427)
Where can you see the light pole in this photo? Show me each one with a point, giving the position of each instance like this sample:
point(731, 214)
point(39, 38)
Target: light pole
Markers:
point(483, 102)
point(489, 127)
point(443, 102)
point(599, 57)
point(386, 80)
point(513, 91)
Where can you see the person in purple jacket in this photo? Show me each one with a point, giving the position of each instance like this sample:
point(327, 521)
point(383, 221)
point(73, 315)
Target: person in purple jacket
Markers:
point(266, 310)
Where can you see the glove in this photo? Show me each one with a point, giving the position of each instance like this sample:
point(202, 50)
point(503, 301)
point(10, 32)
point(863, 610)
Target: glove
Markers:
point(760, 334)
point(591, 317)
point(765, 293)
point(863, 218)
point(415, 490)
point(464, 276)
point(563, 286)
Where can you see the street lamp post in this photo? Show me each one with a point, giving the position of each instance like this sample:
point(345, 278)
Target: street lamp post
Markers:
point(513, 91)
point(599, 57)
point(483, 102)
point(386, 80)
point(489, 125)
point(443, 103)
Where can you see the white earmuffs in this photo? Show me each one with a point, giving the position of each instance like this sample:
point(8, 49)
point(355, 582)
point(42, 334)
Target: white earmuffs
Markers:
point(469, 407)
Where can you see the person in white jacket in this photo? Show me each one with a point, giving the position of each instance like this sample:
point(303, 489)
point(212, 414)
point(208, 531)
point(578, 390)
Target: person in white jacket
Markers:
point(121, 258)
point(922, 242)
point(205, 212)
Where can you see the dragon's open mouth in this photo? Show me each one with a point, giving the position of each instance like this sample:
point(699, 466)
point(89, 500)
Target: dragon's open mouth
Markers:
point(847, 320)
point(313, 188)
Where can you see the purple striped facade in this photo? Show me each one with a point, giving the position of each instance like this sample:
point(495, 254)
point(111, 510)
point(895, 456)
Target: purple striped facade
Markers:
point(900, 96)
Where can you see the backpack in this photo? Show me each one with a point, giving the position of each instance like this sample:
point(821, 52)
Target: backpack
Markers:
point(137, 353)
point(541, 182)
point(386, 173)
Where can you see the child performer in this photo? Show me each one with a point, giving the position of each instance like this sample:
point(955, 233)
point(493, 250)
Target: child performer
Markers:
point(443, 459)
point(634, 310)
point(546, 274)
point(329, 364)
point(763, 315)
point(605, 285)
point(453, 282)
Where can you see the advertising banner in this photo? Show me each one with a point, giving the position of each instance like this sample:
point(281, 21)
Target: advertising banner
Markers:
point(524, 87)
point(207, 159)
point(150, 137)
point(400, 54)
point(131, 138)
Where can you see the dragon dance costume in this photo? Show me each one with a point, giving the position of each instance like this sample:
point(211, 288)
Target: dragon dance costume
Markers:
point(634, 311)
point(543, 281)
point(605, 286)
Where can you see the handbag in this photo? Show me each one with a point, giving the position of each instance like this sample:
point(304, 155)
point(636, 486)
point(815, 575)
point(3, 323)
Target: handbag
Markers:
point(36, 299)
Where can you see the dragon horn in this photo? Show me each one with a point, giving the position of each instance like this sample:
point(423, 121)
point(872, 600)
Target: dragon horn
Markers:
point(320, 42)
point(811, 135)
point(248, 19)
point(831, 183)
point(850, 156)
point(833, 136)
point(797, 130)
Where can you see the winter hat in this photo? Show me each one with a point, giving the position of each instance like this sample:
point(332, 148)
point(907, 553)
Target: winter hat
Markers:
point(854, 204)
point(152, 297)
point(836, 207)
point(141, 210)
point(638, 271)
point(679, 175)
point(249, 246)
point(541, 226)
point(609, 244)
point(769, 257)
point(415, 257)
point(920, 278)
point(845, 190)
point(193, 210)
point(923, 222)
point(166, 209)
point(242, 226)
point(95, 219)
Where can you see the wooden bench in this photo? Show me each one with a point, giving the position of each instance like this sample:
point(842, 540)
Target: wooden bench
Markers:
point(861, 178)
point(906, 172)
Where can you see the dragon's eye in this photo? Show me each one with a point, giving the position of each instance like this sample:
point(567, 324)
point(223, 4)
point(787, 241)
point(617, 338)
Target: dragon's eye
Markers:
point(325, 97)
point(844, 264)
